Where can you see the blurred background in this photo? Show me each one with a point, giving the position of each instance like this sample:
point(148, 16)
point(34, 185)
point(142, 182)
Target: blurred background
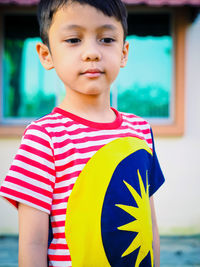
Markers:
point(161, 83)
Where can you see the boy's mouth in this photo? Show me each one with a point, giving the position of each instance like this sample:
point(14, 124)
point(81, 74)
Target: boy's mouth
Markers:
point(92, 73)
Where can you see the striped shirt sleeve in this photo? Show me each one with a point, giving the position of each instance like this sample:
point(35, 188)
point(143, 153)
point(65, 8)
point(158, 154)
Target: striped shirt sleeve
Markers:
point(31, 177)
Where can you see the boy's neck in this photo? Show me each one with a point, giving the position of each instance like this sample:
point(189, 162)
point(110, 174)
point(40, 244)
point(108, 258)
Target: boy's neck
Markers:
point(92, 108)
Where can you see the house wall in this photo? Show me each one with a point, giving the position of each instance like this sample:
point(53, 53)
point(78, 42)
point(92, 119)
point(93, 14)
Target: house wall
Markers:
point(177, 202)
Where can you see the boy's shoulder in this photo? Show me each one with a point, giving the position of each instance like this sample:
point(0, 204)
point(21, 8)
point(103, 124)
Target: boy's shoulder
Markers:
point(135, 120)
point(139, 126)
point(44, 126)
point(48, 122)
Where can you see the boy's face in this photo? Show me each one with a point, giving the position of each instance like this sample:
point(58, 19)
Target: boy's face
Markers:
point(86, 49)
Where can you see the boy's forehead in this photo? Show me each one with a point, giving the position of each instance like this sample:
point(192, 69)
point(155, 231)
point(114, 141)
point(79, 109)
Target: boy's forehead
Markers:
point(81, 16)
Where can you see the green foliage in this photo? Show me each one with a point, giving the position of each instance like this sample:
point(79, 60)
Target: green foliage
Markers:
point(150, 101)
point(16, 104)
point(12, 58)
point(38, 106)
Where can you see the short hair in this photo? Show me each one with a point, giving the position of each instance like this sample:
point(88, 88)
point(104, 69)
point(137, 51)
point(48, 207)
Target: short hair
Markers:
point(111, 8)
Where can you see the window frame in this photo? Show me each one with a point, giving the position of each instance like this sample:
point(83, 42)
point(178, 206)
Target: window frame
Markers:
point(156, 121)
point(180, 21)
point(10, 129)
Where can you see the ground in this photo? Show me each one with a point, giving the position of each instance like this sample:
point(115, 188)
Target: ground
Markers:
point(175, 251)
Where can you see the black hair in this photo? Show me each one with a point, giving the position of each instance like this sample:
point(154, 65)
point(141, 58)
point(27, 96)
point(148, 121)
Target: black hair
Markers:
point(47, 8)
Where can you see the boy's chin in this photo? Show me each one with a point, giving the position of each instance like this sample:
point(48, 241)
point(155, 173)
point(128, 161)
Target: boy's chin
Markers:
point(92, 91)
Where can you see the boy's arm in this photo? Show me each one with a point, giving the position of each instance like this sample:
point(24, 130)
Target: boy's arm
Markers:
point(156, 238)
point(33, 237)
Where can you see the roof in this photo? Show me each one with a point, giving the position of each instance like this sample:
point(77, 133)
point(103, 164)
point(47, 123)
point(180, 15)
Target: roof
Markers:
point(163, 2)
point(132, 2)
point(19, 2)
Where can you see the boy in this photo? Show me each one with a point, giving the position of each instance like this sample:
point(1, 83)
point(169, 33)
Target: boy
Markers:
point(89, 168)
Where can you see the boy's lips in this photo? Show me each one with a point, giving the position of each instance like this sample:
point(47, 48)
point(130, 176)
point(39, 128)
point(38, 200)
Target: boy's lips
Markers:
point(92, 73)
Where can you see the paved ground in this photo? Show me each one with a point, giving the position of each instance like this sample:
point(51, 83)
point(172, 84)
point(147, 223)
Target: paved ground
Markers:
point(175, 251)
point(180, 251)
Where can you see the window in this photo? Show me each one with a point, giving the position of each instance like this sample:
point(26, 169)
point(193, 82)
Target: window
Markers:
point(28, 89)
point(150, 86)
point(144, 87)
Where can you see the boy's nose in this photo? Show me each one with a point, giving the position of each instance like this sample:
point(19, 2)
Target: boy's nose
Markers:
point(91, 53)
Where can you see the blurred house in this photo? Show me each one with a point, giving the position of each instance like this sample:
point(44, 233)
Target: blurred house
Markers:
point(161, 82)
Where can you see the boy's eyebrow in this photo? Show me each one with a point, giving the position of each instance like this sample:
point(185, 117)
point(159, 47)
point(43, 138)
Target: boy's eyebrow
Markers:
point(79, 27)
point(108, 27)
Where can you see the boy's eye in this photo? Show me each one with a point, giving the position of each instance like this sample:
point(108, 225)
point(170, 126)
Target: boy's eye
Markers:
point(73, 40)
point(107, 40)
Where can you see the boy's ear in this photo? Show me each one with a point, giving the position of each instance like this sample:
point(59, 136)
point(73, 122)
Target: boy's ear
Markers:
point(45, 56)
point(124, 55)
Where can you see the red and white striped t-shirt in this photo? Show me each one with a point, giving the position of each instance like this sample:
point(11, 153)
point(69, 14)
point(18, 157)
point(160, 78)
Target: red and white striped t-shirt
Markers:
point(53, 152)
